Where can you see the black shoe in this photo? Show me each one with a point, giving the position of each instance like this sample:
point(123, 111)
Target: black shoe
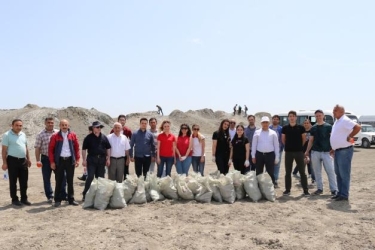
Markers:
point(335, 197)
point(74, 203)
point(306, 193)
point(57, 203)
point(16, 203)
point(82, 178)
point(341, 199)
point(334, 193)
point(318, 192)
point(286, 192)
point(50, 200)
point(26, 202)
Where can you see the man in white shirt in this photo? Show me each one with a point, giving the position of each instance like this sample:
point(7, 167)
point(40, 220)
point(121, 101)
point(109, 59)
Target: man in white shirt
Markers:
point(342, 134)
point(265, 147)
point(119, 149)
point(232, 128)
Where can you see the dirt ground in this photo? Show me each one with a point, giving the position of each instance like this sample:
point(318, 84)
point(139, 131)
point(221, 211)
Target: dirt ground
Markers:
point(294, 222)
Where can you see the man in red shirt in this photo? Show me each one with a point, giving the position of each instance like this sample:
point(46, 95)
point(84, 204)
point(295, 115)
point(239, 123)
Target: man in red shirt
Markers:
point(63, 153)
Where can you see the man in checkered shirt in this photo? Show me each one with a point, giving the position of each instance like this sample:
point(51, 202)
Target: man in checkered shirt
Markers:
point(41, 156)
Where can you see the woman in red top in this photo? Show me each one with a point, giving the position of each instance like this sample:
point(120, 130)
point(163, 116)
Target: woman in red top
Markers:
point(183, 150)
point(166, 149)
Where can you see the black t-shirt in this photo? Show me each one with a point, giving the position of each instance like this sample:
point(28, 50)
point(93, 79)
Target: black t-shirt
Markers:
point(239, 148)
point(222, 146)
point(307, 140)
point(96, 145)
point(321, 135)
point(293, 137)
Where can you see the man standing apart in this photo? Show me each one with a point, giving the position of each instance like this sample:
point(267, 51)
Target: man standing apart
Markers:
point(293, 137)
point(265, 149)
point(249, 133)
point(319, 143)
point(277, 128)
point(142, 144)
point(119, 150)
point(99, 151)
point(342, 134)
point(16, 159)
point(63, 153)
point(41, 156)
point(153, 129)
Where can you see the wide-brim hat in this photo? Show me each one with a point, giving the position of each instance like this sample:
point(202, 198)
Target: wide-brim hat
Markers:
point(97, 124)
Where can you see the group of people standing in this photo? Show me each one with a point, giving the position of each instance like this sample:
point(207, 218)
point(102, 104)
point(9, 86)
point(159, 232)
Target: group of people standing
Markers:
point(246, 148)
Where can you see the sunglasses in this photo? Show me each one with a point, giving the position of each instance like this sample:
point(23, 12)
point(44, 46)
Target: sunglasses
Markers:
point(184, 128)
point(232, 123)
point(196, 129)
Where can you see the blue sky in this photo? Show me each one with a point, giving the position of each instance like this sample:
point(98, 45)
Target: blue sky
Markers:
point(128, 56)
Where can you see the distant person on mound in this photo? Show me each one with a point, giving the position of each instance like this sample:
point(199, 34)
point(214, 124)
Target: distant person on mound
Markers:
point(246, 109)
point(220, 147)
point(84, 175)
point(160, 111)
point(239, 110)
point(234, 109)
point(128, 133)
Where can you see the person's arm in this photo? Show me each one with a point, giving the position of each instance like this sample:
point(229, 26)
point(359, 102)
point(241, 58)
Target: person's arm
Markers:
point(303, 139)
point(132, 142)
point(276, 146)
point(108, 156)
point(309, 145)
point(51, 151)
point(203, 141)
point(152, 141)
point(190, 147)
point(84, 154)
point(283, 139)
point(355, 131)
point(230, 156)
point(158, 152)
point(254, 146)
point(174, 151)
point(4, 154)
point(247, 147)
point(28, 157)
point(37, 146)
point(76, 150)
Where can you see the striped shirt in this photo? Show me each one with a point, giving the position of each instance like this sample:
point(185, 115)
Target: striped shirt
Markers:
point(42, 140)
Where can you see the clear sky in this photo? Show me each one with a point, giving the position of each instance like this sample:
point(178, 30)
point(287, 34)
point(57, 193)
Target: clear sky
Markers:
point(127, 56)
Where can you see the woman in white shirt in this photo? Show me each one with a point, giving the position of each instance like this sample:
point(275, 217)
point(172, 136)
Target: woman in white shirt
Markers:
point(198, 156)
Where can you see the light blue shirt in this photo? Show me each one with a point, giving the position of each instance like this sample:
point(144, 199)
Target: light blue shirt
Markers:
point(15, 143)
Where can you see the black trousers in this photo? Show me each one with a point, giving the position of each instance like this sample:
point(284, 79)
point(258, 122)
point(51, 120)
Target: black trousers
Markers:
point(268, 160)
point(126, 168)
point(253, 166)
point(239, 165)
point(95, 168)
point(17, 170)
point(65, 166)
point(142, 165)
point(289, 158)
point(222, 163)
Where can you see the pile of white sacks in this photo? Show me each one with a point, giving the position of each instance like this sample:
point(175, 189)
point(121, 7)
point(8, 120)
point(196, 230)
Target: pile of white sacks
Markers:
point(105, 193)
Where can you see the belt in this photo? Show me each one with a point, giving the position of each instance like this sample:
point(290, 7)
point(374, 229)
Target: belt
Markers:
point(44, 155)
point(265, 153)
point(16, 158)
point(65, 158)
point(343, 148)
point(117, 158)
point(97, 156)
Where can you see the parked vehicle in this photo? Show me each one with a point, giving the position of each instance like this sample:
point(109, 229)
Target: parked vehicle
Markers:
point(366, 137)
point(309, 114)
point(367, 119)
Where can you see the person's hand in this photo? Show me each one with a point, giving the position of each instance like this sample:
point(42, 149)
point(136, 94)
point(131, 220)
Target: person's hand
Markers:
point(158, 160)
point(213, 159)
point(182, 158)
point(77, 164)
point(247, 163)
point(202, 158)
point(254, 160)
point(152, 159)
point(84, 163)
point(28, 163)
point(84, 169)
point(307, 154)
point(128, 161)
point(132, 159)
point(230, 162)
point(5, 166)
point(53, 166)
point(332, 153)
point(276, 161)
point(108, 162)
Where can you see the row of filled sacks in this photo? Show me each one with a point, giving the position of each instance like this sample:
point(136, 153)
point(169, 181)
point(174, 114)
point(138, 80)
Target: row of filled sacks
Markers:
point(217, 187)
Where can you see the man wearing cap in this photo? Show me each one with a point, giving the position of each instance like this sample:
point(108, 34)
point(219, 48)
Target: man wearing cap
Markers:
point(265, 147)
point(320, 147)
point(119, 149)
point(293, 137)
point(343, 131)
point(63, 154)
point(249, 133)
point(98, 150)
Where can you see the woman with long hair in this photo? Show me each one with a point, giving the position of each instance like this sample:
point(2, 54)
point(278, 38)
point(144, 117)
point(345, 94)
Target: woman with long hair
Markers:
point(198, 156)
point(221, 147)
point(183, 150)
point(240, 151)
point(166, 149)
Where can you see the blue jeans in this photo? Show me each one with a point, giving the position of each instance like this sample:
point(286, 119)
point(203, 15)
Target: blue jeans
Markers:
point(168, 162)
point(182, 167)
point(276, 171)
point(47, 172)
point(317, 158)
point(198, 166)
point(343, 166)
